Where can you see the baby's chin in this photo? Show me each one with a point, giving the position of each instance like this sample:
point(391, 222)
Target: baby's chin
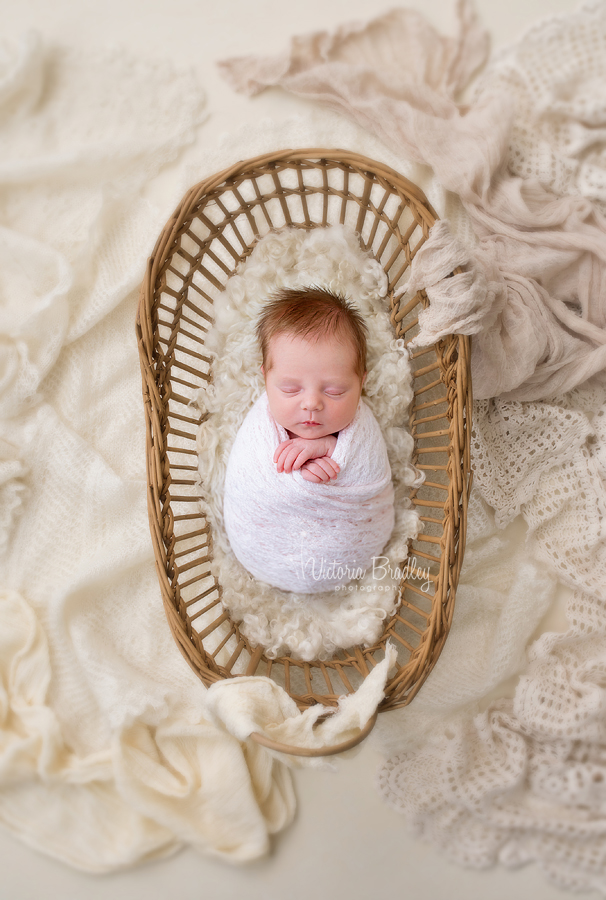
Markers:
point(309, 433)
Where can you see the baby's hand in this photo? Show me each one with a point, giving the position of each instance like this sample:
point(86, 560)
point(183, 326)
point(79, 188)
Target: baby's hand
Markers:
point(293, 454)
point(318, 470)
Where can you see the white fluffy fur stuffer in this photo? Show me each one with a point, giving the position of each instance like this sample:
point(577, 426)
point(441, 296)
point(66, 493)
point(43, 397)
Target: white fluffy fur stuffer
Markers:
point(308, 626)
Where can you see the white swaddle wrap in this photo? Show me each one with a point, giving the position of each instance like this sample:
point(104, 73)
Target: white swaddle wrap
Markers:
point(301, 536)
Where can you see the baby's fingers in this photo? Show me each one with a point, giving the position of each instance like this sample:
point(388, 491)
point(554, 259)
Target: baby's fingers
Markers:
point(331, 466)
point(287, 457)
point(309, 476)
point(280, 452)
point(294, 458)
point(316, 467)
point(327, 465)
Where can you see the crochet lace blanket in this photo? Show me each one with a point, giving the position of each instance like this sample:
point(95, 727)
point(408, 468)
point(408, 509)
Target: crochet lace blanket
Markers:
point(520, 779)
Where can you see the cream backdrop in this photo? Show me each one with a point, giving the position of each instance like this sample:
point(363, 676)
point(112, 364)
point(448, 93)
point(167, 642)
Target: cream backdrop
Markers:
point(344, 841)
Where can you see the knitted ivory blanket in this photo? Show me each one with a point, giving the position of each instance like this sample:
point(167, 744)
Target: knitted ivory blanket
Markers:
point(307, 537)
point(111, 750)
point(107, 755)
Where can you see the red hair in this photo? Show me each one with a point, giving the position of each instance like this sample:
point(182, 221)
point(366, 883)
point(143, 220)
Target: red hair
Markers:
point(312, 313)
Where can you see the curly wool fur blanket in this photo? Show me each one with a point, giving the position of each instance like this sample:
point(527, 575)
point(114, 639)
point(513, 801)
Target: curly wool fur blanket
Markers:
point(285, 621)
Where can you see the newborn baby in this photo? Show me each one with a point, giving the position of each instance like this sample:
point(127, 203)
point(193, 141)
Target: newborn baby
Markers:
point(308, 493)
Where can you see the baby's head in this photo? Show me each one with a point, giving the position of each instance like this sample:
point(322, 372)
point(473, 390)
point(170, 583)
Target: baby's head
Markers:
point(313, 345)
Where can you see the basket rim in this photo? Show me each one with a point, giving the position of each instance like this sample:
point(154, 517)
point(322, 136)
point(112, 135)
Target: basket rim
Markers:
point(308, 154)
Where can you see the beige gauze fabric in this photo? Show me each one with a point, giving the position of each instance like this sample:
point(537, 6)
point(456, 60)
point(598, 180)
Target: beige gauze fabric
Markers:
point(540, 260)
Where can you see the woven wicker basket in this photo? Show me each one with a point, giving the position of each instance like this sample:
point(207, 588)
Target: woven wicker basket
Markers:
point(213, 229)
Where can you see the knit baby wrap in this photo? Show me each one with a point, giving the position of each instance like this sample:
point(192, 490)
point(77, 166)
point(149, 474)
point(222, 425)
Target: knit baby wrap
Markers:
point(298, 535)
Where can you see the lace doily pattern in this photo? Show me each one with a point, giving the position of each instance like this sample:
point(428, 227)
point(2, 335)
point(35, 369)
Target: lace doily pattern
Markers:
point(514, 444)
point(524, 780)
point(493, 790)
point(555, 76)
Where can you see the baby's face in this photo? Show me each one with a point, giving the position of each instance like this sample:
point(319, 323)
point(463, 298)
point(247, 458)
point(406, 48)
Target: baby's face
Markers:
point(312, 385)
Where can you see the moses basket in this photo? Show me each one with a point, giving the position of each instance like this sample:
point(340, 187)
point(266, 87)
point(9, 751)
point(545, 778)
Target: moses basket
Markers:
point(211, 232)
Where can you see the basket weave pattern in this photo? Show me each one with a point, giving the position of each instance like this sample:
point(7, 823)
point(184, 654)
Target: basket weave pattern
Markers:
point(212, 231)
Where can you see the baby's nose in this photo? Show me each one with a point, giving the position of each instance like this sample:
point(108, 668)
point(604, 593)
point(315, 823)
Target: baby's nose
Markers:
point(312, 400)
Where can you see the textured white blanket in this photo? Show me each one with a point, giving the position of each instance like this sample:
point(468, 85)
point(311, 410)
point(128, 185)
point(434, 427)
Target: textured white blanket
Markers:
point(300, 536)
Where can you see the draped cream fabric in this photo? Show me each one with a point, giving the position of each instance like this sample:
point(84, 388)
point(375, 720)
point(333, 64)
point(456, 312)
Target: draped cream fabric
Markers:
point(109, 751)
point(106, 757)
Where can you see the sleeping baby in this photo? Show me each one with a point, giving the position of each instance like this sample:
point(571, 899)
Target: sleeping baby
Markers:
point(308, 493)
